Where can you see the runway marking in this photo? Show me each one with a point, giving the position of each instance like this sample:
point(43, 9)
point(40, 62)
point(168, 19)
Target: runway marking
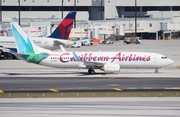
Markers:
point(1, 91)
point(53, 90)
point(103, 74)
point(112, 78)
point(178, 66)
point(117, 89)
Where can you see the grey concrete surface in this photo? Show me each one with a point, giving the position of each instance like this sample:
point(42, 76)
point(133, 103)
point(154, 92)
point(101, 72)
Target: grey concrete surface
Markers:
point(88, 83)
point(90, 107)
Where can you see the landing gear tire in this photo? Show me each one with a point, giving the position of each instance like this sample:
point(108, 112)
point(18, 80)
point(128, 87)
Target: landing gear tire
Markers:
point(91, 71)
point(156, 71)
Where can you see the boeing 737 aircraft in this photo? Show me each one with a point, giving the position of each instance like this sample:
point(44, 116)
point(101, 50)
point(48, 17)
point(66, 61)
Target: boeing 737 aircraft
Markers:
point(58, 37)
point(106, 61)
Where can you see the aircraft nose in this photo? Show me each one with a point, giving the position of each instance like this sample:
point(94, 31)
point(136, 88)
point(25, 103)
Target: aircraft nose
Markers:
point(170, 61)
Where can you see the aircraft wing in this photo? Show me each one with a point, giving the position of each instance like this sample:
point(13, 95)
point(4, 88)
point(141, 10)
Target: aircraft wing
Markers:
point(62, 48)
point(13, 51)
point(94, 64)
point(63, 42)
point(57, 43)
point(89, 63)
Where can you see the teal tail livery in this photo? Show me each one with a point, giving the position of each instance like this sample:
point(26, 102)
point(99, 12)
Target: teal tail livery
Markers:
point(25, 47)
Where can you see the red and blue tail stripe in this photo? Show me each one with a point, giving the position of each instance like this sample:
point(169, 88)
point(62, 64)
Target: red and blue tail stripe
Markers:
point(64, 28)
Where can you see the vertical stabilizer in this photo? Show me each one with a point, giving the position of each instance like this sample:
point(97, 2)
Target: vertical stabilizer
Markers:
point(26, 48)
point(23, 42)
point(64, 28)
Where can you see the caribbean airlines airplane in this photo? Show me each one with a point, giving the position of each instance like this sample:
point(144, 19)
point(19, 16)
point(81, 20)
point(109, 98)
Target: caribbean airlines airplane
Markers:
point(106, 61)
point(58, 37)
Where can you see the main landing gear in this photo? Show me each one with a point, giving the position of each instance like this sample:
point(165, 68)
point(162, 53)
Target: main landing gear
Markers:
point(91, 71)
point(156, 71)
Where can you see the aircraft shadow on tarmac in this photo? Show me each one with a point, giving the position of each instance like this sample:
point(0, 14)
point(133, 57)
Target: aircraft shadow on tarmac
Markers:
point(101, 73)
point(78, 73)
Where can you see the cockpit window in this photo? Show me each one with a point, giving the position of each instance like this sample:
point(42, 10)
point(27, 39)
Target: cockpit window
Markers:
point(164, 57)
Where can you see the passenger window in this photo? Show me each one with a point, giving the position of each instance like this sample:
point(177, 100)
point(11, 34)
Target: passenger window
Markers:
point(164, 57)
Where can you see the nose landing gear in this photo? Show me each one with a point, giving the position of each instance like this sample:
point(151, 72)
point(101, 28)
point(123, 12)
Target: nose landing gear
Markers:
point(156, 71)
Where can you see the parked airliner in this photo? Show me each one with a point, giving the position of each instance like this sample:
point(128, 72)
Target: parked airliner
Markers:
point(58, 37)
point(106, 61)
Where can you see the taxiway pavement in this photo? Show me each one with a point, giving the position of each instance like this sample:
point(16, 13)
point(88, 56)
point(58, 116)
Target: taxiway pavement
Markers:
point(90, 107)
point(87, 84)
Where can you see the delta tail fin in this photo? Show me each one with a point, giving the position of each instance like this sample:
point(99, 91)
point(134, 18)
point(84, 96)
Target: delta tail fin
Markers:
point(64, 28)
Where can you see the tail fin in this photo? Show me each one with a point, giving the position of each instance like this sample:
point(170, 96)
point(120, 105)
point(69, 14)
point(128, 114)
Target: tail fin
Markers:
point(27, 50)
point(64, 28)
point(23, 42)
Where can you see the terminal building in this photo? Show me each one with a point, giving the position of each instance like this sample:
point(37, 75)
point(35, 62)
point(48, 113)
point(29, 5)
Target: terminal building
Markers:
point(156, 19)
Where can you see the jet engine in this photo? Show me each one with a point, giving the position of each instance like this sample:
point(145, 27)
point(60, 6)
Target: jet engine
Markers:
point(64, 42)
point(69, 43)
point(109, 67)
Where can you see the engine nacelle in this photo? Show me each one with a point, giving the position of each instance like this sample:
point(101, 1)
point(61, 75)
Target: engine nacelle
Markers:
point(109, 67)
point(69, 43)
point(62, 42)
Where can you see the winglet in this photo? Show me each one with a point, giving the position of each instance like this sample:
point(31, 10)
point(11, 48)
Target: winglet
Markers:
point(62, 48)
point(76, 57)
point(64, 28)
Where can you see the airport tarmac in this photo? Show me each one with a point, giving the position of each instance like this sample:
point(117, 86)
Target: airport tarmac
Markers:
point(90, 107)
point(88, 84)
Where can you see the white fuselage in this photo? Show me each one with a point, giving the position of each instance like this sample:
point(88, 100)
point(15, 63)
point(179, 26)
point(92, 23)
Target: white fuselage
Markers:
point(47, 43)
point(126, 60)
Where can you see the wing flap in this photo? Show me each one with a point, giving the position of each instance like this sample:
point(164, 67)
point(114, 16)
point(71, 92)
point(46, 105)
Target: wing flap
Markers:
point(89, 64)
point(98, 64)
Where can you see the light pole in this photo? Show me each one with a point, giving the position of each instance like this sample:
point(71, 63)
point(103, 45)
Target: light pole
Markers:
point(62, 9)
point(101, 10)
point(135, 19)
point(75, 11)
point(19, 12)
point(0, 10)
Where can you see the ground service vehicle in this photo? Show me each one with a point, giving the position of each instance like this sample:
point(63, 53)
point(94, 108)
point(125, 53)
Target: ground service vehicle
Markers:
point(136, 40)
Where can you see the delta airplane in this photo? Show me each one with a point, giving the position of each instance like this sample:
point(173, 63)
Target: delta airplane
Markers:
point(58, 37)
point(109, 62)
